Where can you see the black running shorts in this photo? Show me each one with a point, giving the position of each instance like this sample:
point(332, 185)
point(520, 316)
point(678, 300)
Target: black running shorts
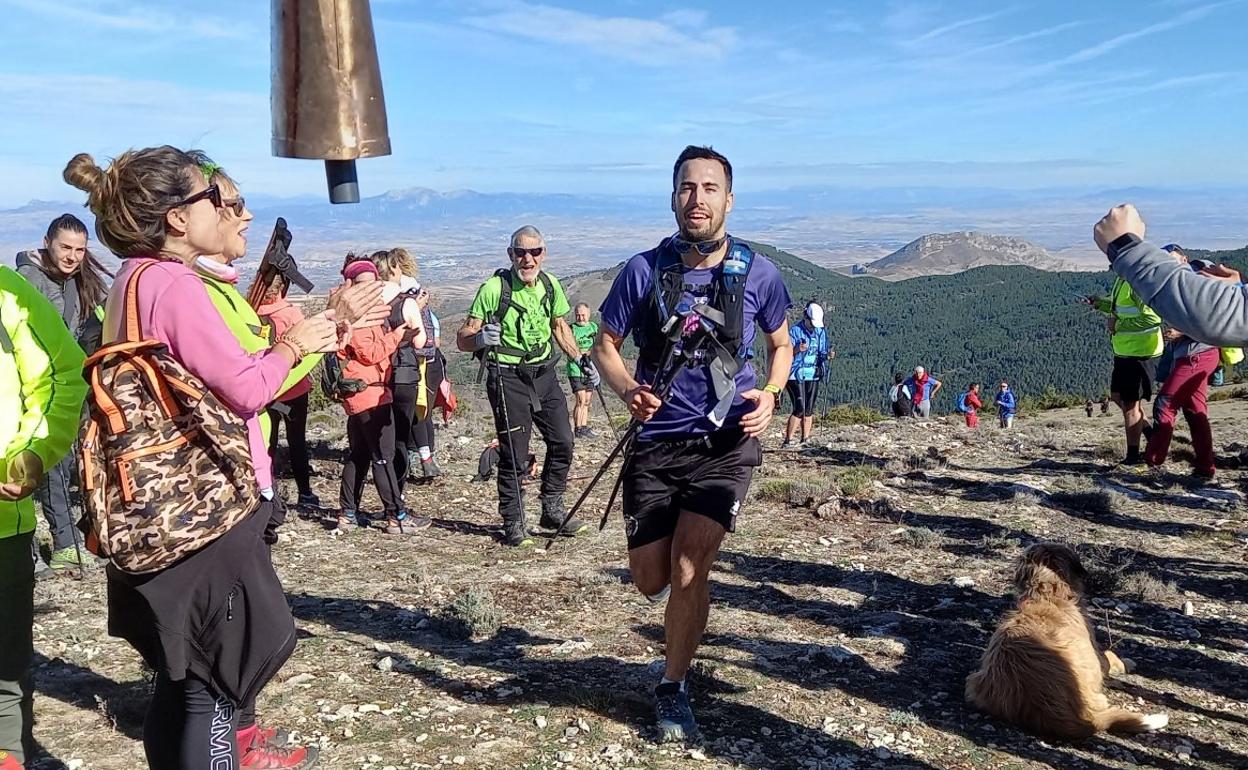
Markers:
point(1132, 378)
point(708, 476)
point(579, 384)
point(802, 395)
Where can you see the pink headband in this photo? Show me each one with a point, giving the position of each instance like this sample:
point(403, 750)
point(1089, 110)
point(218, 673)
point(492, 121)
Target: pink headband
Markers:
point(359, 267)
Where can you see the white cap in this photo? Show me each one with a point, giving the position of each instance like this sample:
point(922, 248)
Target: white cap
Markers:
point(815, 314)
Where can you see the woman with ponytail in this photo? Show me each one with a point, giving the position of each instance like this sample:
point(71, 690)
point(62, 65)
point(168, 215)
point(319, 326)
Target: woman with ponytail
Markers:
point(214, 625)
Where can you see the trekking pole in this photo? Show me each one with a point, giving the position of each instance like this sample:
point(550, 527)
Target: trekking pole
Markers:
point(491, 355)
point(663, 382)
point(607, 413)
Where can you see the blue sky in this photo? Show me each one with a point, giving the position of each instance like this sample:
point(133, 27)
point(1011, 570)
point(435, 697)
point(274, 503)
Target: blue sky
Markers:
point(599, 97)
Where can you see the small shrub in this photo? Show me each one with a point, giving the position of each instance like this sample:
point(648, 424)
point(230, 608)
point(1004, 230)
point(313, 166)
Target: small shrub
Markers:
point(919, 537)
point(999, 542)
point(1106, 568)
point(775, 490)
point(1096, 501)
point(848, 414)
point(1143, 587)
point(472, 615)
point(904, 719)
point(857, 481)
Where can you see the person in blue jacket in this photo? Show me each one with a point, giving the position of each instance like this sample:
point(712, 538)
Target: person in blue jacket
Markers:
point(810, 361)
point(1007, 405)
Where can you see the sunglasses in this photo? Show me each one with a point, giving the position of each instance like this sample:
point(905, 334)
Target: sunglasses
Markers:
point(705, 248)
point(516, 252)
point(237, 205)
point(211, 193)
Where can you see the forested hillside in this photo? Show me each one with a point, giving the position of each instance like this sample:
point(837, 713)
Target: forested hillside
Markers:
point(980, 325)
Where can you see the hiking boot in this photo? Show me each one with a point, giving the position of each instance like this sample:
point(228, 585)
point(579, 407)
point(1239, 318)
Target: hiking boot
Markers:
point(347, 521)
point(264, 756)
point(9, 762)
point(308, 500)
point(405, 524)
point(1157, 476)
point(673, 716)
point(515, 535)
point(69, 556)
point(430, 469)
point(786, 444)
point(552, 517)
point(1133, 458)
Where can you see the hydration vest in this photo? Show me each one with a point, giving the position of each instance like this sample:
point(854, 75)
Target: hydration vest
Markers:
point(533, 354)
point(726, 294)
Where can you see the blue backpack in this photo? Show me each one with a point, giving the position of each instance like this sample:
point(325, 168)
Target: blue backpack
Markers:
point(961, 406)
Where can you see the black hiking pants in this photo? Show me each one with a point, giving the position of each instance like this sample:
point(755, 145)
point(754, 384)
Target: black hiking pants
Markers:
point(370, 436)
point(54, 499)
point(403, 407)
point(295, 415)
point(520, 399)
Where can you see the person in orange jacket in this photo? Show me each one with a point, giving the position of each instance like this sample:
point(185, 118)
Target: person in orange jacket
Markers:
point(370, 420)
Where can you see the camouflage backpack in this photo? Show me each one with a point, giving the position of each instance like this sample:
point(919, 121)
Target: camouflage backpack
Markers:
point(166, 468)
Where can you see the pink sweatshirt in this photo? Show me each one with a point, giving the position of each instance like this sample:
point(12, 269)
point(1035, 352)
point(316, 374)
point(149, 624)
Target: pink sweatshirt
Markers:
point(174, 308)
point(284, 315)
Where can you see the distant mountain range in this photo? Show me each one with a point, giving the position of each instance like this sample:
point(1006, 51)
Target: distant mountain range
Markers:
point(461, 236)
point(948, 253)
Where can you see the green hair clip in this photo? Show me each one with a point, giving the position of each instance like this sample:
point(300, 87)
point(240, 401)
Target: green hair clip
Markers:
point(209, 170)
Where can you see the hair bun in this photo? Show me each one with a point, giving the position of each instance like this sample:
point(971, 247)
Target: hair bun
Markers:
point(81, 172)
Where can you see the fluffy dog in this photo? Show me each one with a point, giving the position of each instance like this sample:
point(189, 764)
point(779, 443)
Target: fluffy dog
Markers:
point(1042, 669)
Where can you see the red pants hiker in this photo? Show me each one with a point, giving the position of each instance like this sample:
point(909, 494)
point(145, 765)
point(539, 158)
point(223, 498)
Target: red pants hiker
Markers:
point(972, 420)
point(1185, 388)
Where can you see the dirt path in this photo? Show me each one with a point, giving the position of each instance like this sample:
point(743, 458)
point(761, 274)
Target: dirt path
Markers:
point(840, 631)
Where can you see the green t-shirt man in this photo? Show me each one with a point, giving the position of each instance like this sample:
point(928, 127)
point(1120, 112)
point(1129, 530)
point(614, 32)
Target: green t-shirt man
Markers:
point(584, 335)
point(529, 330)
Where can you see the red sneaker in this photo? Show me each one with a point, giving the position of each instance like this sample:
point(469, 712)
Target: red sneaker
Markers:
point(9, 762)
point(262, 756)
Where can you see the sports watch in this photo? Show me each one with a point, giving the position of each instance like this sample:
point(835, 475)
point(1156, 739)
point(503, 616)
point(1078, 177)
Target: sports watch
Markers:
point(773, 390)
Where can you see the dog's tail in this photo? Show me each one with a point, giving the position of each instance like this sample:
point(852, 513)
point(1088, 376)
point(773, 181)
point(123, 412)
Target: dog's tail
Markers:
point(1116, 720)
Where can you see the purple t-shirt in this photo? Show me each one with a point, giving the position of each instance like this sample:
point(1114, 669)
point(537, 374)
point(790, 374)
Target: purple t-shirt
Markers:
point(685, 410)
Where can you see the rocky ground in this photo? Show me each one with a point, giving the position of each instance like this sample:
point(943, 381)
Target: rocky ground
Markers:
point(864, 580)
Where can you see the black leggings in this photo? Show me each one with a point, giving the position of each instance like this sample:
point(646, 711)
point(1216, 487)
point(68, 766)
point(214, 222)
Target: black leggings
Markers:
point(403, 408)
point(190, 726)
point(296, 438)
point(370, 436)
point(424, 432)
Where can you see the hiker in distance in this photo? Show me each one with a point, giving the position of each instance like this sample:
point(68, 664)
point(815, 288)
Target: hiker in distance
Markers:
point(810, 362)
point(1007, 405)
point(1135, 333)
point(688, 471)
point(579, 377)
point(923, 388)
point(968, 405)
point(516, 324)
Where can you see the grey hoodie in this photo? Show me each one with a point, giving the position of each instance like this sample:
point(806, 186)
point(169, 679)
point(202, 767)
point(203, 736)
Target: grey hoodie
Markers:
point(1207, 310)
point(61, 292)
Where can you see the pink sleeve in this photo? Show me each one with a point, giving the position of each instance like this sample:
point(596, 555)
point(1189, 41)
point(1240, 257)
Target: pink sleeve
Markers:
point(198, 337)
point(286, 318)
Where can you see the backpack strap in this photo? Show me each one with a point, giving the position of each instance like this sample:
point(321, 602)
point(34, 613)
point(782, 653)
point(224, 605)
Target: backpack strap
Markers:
point(131, 328)
point(505, 303)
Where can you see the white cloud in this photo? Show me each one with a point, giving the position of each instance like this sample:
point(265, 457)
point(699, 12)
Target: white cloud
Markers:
point(130, 17)
point(954, 26)
point(652, 42)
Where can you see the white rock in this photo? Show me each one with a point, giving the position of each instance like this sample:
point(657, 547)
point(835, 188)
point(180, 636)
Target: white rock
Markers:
point(300, 679)
point(74, 764)
point(1189, 609)
point(369, 708)
point(697, 755)
point(540, 721)
point(460, 759)
point(963, 581)
point(385, 664)
point(564, 756)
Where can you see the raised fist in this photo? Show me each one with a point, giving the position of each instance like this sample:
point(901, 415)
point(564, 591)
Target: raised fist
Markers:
point(1120, 221)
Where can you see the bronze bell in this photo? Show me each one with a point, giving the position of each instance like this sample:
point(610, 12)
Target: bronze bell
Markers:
point(327, 98)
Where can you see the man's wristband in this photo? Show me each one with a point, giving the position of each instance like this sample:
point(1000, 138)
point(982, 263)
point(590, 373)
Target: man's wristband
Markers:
point(1118, 244)
point(772, 389)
